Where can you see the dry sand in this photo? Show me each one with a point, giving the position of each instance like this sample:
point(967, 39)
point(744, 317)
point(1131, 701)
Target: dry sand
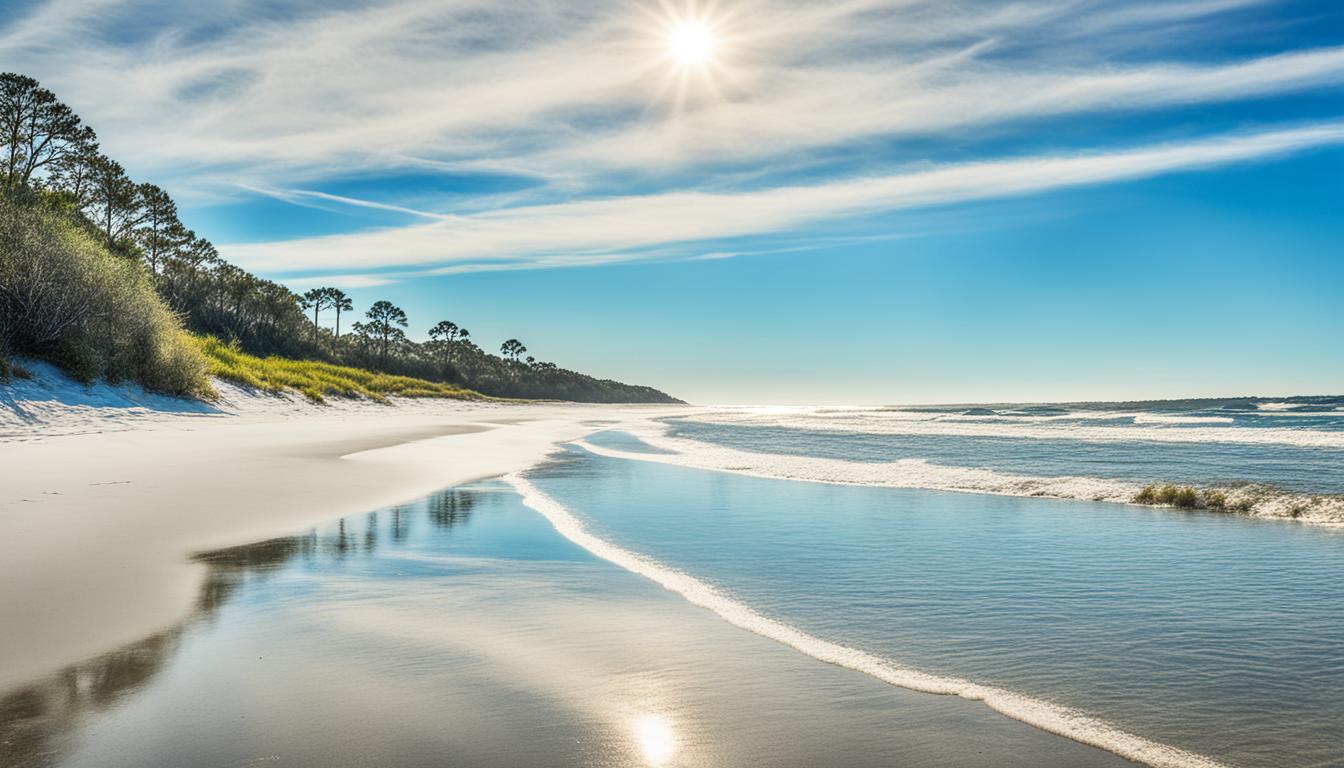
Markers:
point(105, 494)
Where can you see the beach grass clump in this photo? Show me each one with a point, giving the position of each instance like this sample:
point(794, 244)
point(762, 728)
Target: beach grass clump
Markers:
point(316, 380)
point(1147, 495)
point(1187, 497)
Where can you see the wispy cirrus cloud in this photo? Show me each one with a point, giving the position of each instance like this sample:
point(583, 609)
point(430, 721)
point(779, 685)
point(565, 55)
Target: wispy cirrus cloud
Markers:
point(279, 98)
point(266, 93)
point(597, 231)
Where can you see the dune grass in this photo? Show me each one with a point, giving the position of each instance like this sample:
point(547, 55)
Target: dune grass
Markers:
point(317, 380)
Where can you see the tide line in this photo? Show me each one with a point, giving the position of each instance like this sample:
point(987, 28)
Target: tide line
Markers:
point(1038, 713)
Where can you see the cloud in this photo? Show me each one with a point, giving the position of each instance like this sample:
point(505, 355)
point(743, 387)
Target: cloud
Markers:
point(285, 94)
point(598, 231)
point(630, 161)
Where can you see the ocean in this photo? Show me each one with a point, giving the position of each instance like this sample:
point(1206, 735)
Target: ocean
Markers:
point(992, 553)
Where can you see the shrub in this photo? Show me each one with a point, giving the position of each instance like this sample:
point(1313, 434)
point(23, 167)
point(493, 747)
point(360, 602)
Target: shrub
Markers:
point(67, 299)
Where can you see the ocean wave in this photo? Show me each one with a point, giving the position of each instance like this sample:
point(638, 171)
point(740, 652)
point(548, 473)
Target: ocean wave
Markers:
point(1071, 427)
point(1255, 500)
point(1171, 418)
point(1045, 715)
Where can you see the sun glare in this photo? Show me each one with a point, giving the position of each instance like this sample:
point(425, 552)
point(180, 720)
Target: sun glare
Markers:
point(656, 739)
point(695, 50)
point(691, 42)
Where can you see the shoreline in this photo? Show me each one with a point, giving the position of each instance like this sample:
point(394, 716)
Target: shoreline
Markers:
point(1270, 504)
point(102, 523)
point(526, 628)
point(1044, 716)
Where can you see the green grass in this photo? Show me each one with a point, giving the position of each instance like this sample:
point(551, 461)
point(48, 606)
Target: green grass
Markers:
point(315, 380)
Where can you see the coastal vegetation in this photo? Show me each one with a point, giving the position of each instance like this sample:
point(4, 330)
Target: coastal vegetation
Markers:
point(316, 380)
point(99, 275)
point(66, 298)
point(1187, 497)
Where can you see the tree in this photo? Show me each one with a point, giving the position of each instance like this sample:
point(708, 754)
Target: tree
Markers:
point(446, 336)
point(161, 231)
point(36, 130)
point(115, 200)
point(511, 349)
point(384, 318)
point(338, 301)
point(317, 300)
point(72, 172)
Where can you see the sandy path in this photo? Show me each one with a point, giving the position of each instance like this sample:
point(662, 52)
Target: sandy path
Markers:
point(98, 528)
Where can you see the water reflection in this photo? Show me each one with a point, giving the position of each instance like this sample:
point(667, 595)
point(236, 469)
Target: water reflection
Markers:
point(35, 718)
point(497, 644)
point(657, 741)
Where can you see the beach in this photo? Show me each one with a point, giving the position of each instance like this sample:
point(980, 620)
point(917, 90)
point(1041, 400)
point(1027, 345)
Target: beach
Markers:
point(147, 551)
point(545, 583)
point(105, 501)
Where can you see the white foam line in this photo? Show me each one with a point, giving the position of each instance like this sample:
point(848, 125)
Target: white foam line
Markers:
point(1044, 715)
point(1034, 428)
point(902, 473)
point(1263, 502)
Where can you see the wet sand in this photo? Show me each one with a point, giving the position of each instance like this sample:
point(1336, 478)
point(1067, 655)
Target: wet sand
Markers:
point(98, 527)
point(463, 630)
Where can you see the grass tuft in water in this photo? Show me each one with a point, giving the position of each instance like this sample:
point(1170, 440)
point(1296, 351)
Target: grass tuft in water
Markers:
point(1183, 496)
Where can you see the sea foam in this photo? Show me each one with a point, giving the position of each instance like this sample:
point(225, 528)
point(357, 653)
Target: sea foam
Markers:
point(1038, 713)
point(1089, 426)
point(1256, 500)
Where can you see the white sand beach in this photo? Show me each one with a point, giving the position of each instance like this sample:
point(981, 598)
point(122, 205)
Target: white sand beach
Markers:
point(106, 491)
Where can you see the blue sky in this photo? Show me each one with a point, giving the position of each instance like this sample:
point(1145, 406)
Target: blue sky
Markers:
point(846, 202)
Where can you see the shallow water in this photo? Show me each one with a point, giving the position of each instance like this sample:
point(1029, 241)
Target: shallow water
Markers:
point(1217, 634)
point(464, 630)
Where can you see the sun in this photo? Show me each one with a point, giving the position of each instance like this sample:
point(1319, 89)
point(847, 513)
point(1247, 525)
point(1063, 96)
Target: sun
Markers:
point(694, 50)
point(691, 43)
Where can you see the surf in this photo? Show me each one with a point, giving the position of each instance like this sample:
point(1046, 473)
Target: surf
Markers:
point(1045, 715)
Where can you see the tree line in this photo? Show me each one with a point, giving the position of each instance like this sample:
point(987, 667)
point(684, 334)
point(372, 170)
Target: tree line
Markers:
point(50, 158)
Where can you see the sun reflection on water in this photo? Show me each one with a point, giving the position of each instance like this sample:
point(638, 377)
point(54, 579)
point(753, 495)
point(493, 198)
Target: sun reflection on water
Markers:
point(655, 737)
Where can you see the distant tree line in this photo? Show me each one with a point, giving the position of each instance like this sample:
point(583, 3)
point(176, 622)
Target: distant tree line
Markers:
point(49, 158)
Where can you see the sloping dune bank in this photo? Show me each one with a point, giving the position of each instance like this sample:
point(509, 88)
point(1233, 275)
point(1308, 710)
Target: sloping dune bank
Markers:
point(106, 494)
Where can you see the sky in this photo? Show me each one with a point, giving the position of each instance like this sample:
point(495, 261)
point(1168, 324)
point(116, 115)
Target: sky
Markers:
point(785, 201)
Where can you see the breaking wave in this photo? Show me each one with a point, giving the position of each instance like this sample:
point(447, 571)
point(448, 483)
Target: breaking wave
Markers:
point(1092, 426)
point(1255, 499)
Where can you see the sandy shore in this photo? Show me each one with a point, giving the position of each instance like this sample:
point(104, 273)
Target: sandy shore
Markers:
point(464, 628)
point(107, 493)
